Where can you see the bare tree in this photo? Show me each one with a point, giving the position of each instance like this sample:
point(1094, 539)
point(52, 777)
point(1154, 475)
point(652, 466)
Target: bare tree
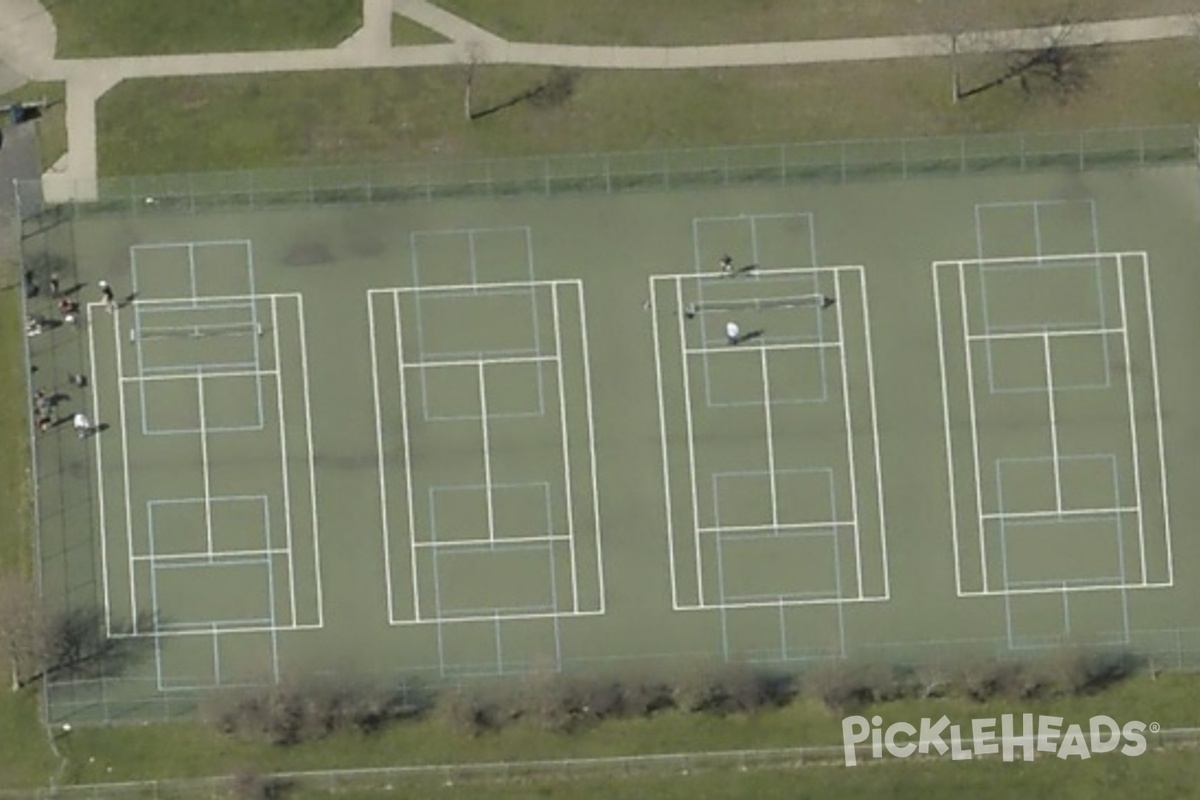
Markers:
point(1048, 57)
point(23, 629)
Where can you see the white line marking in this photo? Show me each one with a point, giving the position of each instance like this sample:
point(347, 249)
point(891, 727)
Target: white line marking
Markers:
point(662, 422)
point(205, 470)
point(1057, 466)
point(201, 558)
point(786, 526)
point(951, 493)
point(568, 488)
point(1158, 418)
point(887, 586)
point(383, 504)
point(1064, 512)
point(591, 423)
point(133, 606)
point(283, 456)
point(408, 481)
point(701, 351)
point(487, 457)
point(966, 326)
point(1030, 262)
point(312, 473)
point(469, 288)
point(770, 441)
point(852, 467)
point(691, 443)
point(480, 361)
point(1133, 432)
point(508, 542)
point(1043, 334)
point(100, 476)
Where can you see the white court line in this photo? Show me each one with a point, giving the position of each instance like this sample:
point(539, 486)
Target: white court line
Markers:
point(1158, 417)
point(170, 245)
point(887, 586)
point(966, 326)
point(133, 607)
point(762, 273)
point(951, 494)
point(204, 465)
point(244, 299)
point(782, 527)
point(662, 422)
point(481, 361)
point(858, 568)
point(591, 423)
point(312, 469)
point(204, 559)
point(191, 251)
point(566, 449)
point(515, 542)
point(100, 470)
point(1133, 432)
point(1033, 262)
point(691, 439)
point(1058, 504)
point(1043, 333)
point(770, 441)
point(169, 632)
point(700, 351)
point(774, 600)
point(408, 481)
point(450, 287)
point(1114, 584)
point(487, 457)
point(1064, 512)
point(492, 616)
point(383, 504)
point(283, 457)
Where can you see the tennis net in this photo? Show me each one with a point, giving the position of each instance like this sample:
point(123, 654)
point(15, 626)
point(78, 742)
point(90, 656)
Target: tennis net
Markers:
point(144, 332)
point(759, 304)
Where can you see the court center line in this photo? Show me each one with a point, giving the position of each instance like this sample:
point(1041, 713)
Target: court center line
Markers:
point(1062, 512)
point(481, 361)
point(1042, 333)
point(312, 467)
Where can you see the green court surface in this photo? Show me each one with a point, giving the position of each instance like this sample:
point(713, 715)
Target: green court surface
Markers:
point(480, 436)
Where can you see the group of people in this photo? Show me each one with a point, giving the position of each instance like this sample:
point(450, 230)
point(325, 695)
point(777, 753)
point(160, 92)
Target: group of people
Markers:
point(45, 404)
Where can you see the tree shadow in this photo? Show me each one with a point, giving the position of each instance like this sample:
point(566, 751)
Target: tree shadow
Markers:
point(78, 646)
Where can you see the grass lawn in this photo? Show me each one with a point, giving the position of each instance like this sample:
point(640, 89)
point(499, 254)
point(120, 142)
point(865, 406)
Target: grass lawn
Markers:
point(191, 750)
point(25, 757)
point(1164, 774)
point(405, 31)
point(90, 28)
point(52, 127)
point(665, 22)
point(244, 122)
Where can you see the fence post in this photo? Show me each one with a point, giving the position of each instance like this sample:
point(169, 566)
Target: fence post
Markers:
point(607, 173)
point(962, 154)
point(1081, 146)
point(1021, 149)
point(546, 174)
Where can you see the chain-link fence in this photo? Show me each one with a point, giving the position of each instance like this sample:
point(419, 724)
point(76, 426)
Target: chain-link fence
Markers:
point(837, 162)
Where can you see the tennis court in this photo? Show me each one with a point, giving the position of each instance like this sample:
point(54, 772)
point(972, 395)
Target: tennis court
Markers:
point(913, 419)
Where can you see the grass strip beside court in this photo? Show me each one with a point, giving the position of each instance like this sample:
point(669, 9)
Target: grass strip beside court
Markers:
point(168, 125)
point(682, 22)
point(88, 29)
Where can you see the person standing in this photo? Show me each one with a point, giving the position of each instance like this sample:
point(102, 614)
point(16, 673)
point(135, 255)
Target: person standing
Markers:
point(106, 292)
point(733, 334)
point(82, 425)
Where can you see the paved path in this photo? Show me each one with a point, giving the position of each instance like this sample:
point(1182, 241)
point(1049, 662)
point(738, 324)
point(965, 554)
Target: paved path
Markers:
point(28, 37)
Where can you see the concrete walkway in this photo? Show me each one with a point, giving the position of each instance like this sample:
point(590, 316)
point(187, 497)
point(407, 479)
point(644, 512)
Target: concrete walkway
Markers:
point(28, 38)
